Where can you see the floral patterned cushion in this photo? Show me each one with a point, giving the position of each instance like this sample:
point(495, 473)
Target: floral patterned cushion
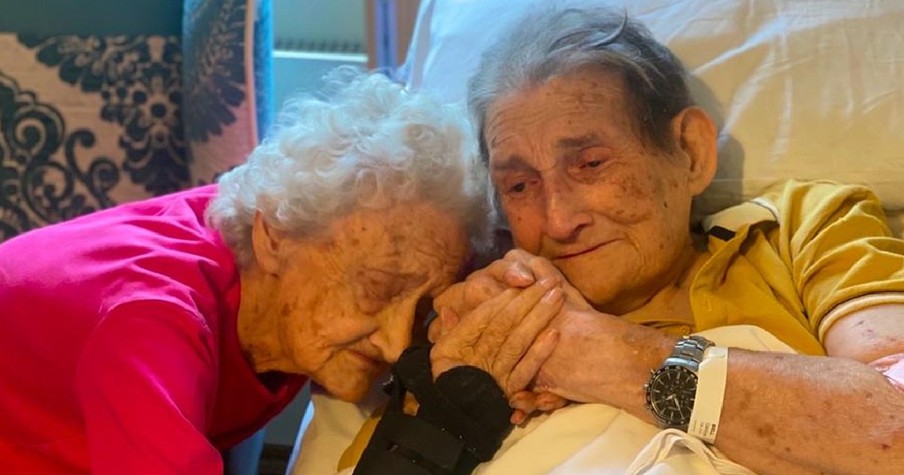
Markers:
point(91, 120)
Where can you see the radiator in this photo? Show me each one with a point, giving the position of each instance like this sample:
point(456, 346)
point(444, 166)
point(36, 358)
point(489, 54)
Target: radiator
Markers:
point(298, 66)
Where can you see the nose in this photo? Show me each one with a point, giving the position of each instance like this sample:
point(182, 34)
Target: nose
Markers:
point(394, 334)
point(565, 209)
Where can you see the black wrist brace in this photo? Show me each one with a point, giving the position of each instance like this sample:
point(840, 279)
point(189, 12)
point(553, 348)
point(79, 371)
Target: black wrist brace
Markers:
point(461, 421)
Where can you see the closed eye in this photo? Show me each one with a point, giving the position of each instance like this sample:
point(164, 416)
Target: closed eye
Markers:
point(378, 288)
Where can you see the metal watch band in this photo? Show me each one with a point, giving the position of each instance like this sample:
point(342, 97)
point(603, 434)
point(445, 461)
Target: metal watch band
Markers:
point(688, 352)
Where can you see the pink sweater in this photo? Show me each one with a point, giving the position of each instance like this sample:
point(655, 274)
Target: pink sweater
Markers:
point(118, 345)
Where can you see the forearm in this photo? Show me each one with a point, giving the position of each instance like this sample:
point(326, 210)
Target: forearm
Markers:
point(581, 370)
point(798, 414)
point(782, 413)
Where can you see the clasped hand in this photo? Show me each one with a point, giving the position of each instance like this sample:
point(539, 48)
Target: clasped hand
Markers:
point(500, 319)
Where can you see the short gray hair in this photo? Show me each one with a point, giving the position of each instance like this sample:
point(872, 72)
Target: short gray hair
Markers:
point(365, 143)
point(547, 43)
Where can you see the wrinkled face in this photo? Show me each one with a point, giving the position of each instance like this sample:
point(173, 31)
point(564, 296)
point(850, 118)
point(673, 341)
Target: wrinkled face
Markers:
point(581, 188)
point(351, 308)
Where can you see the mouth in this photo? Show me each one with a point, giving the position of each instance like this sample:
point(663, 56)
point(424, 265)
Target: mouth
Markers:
point(588, 250)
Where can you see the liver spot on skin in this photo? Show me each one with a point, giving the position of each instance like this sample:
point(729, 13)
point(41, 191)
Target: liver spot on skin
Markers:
point(767, 432)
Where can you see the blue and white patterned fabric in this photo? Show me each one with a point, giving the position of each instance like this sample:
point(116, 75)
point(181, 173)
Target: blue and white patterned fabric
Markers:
point(112, 109)
point(227, 46)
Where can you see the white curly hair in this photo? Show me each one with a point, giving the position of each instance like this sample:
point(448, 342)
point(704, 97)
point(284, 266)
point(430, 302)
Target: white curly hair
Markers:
point(369, 143)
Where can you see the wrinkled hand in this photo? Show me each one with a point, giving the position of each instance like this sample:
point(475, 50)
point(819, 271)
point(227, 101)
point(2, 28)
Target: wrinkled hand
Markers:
point(517, 269)
point(506, 336)
point(600, 358)
point(528, 402)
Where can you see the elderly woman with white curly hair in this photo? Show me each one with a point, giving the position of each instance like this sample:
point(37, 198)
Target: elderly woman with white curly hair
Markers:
point(148, 337)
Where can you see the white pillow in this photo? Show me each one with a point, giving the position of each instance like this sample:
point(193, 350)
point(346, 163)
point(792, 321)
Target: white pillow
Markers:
point(809, 89)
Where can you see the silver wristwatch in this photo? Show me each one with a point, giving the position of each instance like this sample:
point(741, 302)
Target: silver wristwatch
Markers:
point(672, 388)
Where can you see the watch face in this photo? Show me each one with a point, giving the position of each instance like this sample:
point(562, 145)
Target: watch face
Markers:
point(671, 393)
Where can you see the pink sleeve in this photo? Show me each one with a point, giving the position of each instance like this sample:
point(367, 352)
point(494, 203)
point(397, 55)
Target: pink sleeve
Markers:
point(146, 382)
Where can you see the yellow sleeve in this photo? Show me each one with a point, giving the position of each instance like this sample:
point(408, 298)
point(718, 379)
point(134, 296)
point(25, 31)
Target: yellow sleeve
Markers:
point(838, 247)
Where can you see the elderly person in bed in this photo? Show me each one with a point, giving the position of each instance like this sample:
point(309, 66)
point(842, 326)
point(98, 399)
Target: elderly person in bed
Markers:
point(596, 151)
point(144, 338)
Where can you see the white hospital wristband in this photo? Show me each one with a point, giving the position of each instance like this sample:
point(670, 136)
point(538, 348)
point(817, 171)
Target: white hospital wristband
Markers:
point(710, 394)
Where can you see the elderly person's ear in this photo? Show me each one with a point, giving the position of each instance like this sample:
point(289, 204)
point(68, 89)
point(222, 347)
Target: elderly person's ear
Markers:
point(695, 134)
point(265, 242)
